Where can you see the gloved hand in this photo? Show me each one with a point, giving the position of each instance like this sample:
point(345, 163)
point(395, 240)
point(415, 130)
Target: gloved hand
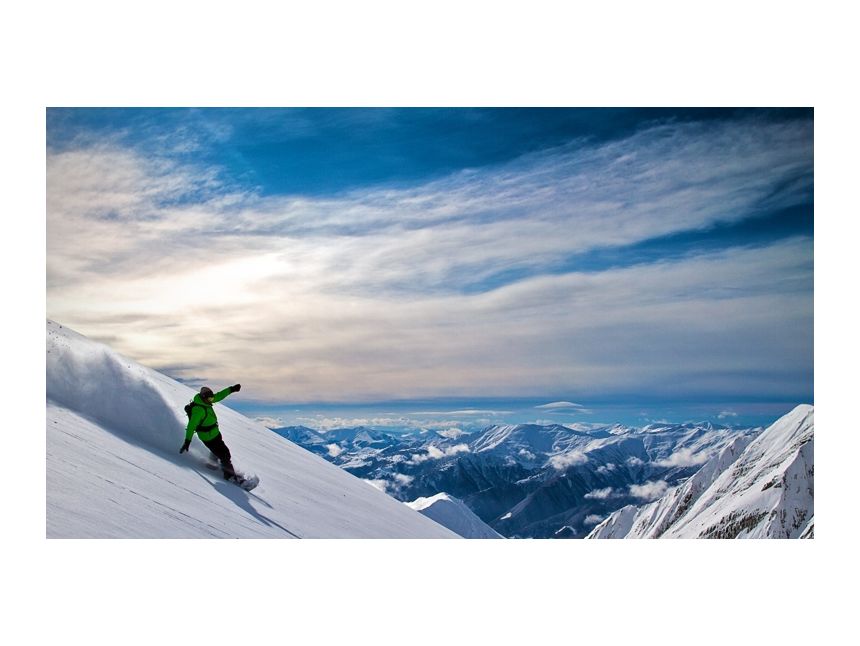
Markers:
point(185, 446)
point(236, 388)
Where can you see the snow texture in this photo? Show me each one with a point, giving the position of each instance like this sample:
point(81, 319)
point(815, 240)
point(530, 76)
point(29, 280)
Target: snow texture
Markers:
point(114, 429)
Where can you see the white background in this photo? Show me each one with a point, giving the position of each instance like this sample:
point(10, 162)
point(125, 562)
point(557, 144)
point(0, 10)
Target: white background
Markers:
point(374, 53)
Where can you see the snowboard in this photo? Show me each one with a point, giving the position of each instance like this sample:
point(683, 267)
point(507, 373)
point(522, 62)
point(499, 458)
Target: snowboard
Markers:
point(246, 482)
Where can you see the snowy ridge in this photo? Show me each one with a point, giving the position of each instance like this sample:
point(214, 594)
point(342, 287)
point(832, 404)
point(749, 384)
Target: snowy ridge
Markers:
point(530, 437)
point(652, 520)
point(455, 515)
point(759, 488)
point(114, 429)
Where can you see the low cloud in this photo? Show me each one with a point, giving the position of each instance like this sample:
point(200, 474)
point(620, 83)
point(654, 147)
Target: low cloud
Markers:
point(436, 453)
point(683, 458)
point(567, 460)
point(382, 485)
point(334, 450)
point(599, 494)
point(726, 414)
point(270, 422)
point(633, 461)
point(403, 480)
point(593, 519)
point(606, 468)
point(651, 490)
point(397, 482)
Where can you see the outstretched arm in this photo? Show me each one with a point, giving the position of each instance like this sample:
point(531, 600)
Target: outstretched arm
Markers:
point(221, 394)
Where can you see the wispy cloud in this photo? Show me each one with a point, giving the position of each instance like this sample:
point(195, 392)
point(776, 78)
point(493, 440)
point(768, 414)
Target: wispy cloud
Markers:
point(560, 406)
point(600, 494)
point(382, 292)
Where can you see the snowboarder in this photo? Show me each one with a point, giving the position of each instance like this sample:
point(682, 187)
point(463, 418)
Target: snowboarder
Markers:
point(204, 422)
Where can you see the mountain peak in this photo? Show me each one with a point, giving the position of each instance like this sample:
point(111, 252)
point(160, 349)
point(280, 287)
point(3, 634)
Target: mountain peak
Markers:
point(454, 514)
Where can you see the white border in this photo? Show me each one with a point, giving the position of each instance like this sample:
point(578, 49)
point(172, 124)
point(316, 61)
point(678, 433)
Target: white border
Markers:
point(445, 53)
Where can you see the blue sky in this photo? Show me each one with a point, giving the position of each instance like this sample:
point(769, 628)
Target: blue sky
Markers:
point(321, 151)
point(641, 263)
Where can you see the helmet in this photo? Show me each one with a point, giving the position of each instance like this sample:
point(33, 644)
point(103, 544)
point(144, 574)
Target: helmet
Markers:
point(206, 392)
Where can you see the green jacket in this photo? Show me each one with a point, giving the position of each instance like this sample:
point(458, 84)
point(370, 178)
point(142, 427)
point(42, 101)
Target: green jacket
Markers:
point(203, 419)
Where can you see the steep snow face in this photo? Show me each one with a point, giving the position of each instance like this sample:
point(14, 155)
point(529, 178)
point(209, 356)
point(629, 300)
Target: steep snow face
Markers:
point(618, 524)
point(455, 515)
point(652, 520)
point(760, 488)
point(114, 429)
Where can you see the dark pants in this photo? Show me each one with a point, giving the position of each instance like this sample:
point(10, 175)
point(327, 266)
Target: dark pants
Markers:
point(220, 451)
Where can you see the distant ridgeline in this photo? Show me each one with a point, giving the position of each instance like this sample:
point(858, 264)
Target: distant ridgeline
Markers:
point(557, 482)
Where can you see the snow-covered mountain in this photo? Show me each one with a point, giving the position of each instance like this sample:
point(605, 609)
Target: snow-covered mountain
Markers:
point(114, 429)
point(530, 480)
point(301, 435)
point(754, 488)
point(455, 515)
point(360, 436)
point(353, 443)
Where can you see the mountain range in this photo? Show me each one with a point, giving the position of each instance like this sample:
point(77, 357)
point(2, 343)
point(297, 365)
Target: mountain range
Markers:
point(529, 480)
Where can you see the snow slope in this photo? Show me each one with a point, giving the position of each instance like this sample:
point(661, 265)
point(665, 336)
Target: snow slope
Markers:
point(114, 429)
point(455, 515)
point(755, 488)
